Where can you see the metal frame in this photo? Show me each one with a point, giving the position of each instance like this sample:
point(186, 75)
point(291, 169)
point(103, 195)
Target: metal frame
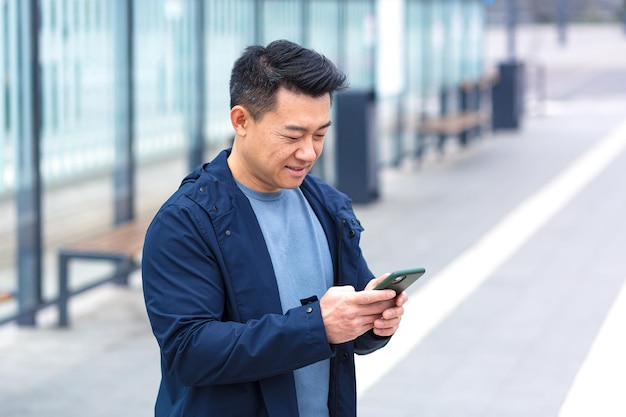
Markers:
point(28, 193)
point(124, 172)
point(195, 116)
point(124, 266)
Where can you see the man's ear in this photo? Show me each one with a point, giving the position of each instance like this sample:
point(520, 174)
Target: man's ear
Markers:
point(239, 119)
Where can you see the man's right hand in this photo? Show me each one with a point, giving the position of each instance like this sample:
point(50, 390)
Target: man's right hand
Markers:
point(348, 314)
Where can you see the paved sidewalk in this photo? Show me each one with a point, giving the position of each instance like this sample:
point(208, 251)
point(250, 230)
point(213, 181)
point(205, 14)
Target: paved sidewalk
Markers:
point(511, 346)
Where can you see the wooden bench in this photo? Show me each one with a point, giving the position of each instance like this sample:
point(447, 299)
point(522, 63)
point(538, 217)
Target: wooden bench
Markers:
point(122, 245)
point(454, 124)
point(466, 120)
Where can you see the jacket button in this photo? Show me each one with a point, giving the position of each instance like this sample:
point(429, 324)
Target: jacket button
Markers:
point(309, 310)
point(344, 356)
point(351, 233)
point(227, 233)
point(201, 189)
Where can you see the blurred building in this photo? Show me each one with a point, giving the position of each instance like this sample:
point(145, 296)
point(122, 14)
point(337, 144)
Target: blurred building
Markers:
point(540, 11)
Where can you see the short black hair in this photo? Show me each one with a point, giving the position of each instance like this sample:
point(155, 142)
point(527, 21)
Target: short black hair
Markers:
point(261, 71)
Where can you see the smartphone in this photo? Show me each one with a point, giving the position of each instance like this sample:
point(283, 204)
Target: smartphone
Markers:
point(401, 279)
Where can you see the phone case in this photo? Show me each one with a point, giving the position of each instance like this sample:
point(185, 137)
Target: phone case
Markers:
point(401, 279)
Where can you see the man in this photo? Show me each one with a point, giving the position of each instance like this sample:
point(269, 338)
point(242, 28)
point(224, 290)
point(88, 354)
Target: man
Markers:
point(253, 277)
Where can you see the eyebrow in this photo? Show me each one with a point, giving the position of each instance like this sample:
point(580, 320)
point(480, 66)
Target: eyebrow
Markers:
point(303, 129)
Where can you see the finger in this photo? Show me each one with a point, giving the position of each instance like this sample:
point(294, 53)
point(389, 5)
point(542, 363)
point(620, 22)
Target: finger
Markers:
point(373, 296)
point(402, 298)
point(375, 281)
point(385, 331)
point(391, 313)
point(392, 322)
point(375, 309)
point(371, 284)
point(382, 324)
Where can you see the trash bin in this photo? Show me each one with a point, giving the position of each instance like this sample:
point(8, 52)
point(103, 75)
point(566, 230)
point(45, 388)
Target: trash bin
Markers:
point(357, 160)
point(508, 96)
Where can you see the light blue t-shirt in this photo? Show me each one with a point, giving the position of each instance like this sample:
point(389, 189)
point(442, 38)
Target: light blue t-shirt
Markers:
point(303, 267)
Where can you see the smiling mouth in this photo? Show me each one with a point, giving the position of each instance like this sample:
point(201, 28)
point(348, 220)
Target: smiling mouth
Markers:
point(296, 168)
point(297, 171)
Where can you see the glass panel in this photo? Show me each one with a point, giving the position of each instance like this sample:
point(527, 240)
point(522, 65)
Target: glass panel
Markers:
point(476, 30)
point(8, 101)
point(229, 29)
point(282, 19)
point(415, 47)
point(7, 65)
point(434, 48)
point(454, 43)
point(323, 36)
point(360, 40)
point(77, 80)
point(160, 51)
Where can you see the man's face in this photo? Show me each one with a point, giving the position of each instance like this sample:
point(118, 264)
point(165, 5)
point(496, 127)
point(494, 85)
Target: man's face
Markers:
point(278, 150)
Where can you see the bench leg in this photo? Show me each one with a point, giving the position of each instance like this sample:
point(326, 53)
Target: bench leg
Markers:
point(123, 268)
point(441, 140)
point(464, 137)
point(64, 293)
point(420, 146)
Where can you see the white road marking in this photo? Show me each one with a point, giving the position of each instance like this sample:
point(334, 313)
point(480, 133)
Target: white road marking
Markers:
point(443, 293)
point(598, 389)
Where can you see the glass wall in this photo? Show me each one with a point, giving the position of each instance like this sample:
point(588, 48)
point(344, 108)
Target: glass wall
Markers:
point(77, 74)
point(323, 27)
point(283, 20)
point(358, 41)
point(229, 28)
point(443, 47)
point(160, 49)
point(76, 82)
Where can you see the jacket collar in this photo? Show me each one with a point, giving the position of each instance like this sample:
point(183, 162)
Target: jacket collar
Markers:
point(215, 179)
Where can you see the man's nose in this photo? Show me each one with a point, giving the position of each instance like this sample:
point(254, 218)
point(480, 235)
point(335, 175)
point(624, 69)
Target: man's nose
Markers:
point(307, 151)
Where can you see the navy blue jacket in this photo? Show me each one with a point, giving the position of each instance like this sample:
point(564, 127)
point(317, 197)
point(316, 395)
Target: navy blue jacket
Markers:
point(212, 299)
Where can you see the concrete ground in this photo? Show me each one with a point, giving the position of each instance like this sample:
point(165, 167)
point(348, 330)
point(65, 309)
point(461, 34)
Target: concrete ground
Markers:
point(522, 309)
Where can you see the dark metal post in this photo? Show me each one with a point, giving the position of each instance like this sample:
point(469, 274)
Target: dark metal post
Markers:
point(511, 23)
point(124, 174)
point(624, 14)
point(64, 291)
point(562, 11)
point(28, 176)
point(196, 61)
point(401, 100)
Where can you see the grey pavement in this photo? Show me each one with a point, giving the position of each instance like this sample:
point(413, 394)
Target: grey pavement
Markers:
point(512, 347)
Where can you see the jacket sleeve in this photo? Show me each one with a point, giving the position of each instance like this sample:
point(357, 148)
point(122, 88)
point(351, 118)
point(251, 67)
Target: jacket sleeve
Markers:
point(186, 300)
